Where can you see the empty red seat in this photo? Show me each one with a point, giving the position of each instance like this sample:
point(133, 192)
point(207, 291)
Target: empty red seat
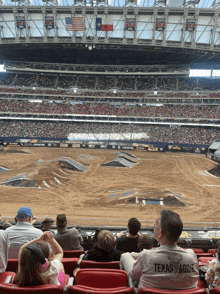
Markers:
point(101, 278)
point(197, 250)
point(212, 251)
point(214, 290)
point(80, 289)
point(95, 264)
point(4, 275)
point(97, 280)
point(204, 260)
point(12, 265)
point(70, 264)
point(204, 255)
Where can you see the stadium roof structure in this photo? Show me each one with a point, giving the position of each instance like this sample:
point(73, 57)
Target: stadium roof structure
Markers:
point(143, 3)
point(141, 31)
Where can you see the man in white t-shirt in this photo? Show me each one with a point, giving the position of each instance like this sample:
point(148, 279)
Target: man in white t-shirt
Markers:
point(168, 266)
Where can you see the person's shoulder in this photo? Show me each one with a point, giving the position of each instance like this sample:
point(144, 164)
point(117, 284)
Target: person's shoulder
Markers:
point(3, 234)
point(122, 238)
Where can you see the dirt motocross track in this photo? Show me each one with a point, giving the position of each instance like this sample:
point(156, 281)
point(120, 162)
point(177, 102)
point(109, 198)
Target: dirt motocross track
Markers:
point(87, 194)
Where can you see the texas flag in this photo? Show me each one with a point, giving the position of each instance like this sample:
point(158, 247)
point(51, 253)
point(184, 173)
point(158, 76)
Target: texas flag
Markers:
point(103, 25)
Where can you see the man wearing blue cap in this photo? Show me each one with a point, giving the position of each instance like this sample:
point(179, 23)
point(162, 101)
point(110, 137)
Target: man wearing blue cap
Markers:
point(22, 232)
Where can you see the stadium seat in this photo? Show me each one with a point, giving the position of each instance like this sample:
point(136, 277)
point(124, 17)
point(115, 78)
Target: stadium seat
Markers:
point(212, 251)
point(42, 289)
point(214, 290)
point(79, 289)
point(203, 255)
point(196, 250)
point(96, 280)
point(73, 253)
point(101, 278)
point(204, 260)
point(5, 275)
point(95, 264)
point(12, 265)
point(70, 264)
point(161, 291)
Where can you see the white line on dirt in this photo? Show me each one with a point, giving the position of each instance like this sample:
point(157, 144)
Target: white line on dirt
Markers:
point(63, 172)
point(59, 175)
point(45, 183)
point(211, 185)
point(57, 180)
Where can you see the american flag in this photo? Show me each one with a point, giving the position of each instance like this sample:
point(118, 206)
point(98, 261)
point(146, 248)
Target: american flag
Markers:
point(74, 24)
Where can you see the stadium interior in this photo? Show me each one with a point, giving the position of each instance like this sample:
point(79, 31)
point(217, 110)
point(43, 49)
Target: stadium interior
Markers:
point(90, 88)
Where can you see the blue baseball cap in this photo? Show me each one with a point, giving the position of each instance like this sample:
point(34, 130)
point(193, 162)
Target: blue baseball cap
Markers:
point(24, 212)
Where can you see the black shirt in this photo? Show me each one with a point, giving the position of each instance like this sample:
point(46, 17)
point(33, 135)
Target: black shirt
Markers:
point(97, 254)
point(126, 244)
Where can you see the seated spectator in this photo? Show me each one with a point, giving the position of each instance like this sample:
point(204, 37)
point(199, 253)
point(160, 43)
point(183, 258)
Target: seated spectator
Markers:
point(69, 239)
point(144, 242)
point(169, 266)
point(4, 247)
point(104, 250)
point(37, 265)
point(127, 241)
point(46, 224)
point(22, 232)
point(213, 272)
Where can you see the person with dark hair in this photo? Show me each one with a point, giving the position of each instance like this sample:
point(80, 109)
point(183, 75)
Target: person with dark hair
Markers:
point(22, 232)
point(46, 224)
point(127, 241)
point(69, 239)
point(213, 272)
point(39, 262)
point(104, 250)
point(168, 266)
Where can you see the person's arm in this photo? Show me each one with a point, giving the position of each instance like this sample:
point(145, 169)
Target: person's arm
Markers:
point(57, 249)
point(137, 268)
point(33, 220)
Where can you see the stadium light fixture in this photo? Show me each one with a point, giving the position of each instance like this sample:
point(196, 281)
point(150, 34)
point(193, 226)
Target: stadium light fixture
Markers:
point(155, 91)
point(202, 73)
point(216, 73)
point(2, 69)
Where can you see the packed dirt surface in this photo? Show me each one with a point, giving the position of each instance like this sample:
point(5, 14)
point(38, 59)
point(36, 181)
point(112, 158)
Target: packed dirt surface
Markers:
point(86, 195)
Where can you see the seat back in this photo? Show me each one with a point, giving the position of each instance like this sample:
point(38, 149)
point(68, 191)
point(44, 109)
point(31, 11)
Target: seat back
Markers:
point(161, 291)
point(197, 250)
point(4, 275)
point(79, 289)
point(73, 253)
point(101, 278)
point(212, 251)
point(70, 264)
point(214, 290)
point(95, 264)
point(42, 289)
point(205, 260)
point(204, 255)
point(12, 265)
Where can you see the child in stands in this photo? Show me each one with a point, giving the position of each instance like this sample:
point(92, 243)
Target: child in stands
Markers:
point(39, 262)
point(213, 272)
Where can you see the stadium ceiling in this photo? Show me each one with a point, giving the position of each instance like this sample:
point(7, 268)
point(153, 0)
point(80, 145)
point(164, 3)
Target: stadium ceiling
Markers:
point(105, 54)
point(117, 3)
